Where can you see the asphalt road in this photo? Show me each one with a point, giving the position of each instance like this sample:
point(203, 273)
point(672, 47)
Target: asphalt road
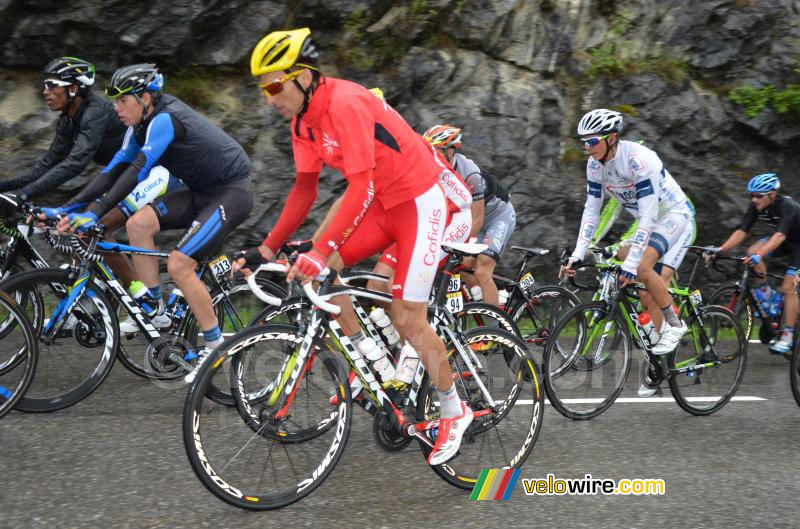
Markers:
point(117, 460)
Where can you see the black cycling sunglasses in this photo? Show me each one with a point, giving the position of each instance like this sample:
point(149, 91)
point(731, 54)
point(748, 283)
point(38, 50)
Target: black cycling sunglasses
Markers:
point(757, 195)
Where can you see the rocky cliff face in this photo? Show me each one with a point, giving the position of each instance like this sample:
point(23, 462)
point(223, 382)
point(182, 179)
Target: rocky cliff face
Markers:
point(515, 74)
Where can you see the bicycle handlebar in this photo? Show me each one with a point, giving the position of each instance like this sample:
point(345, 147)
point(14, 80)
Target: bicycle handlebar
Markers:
point(260, 294)
point(308, 288)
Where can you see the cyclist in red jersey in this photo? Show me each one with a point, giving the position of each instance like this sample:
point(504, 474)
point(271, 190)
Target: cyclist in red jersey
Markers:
point(392, 196)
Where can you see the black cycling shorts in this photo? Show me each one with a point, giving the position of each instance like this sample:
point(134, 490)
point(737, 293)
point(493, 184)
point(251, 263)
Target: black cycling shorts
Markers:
point(210, 215)
point(792, 250)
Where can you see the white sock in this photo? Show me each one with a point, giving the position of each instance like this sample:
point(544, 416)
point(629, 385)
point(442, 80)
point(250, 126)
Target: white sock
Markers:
point(213, 344)
point(449, 403)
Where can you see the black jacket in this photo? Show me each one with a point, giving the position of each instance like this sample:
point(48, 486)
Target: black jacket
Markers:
point(94, 134)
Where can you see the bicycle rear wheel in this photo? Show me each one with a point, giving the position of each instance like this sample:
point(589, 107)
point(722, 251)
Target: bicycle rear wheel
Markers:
point(712, 362)
point(586, 361)
point(18, 355)
point(480, 314)
point(234, 307)
point(80, 357)
point(537, 315)
point(500, 436)
point(732, 298)
point(266, 453)
point(795, 372)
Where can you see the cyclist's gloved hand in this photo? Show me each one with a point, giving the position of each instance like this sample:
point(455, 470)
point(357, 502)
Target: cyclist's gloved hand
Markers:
point(568, 266)
point(712, 253)
point(754, 259)
point(299, 246)
point(82, 221)
point(252, 258)
point(310, 264)
point(52, 213)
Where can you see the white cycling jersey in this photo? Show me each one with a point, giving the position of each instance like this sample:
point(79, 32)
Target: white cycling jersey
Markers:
point(636, 177)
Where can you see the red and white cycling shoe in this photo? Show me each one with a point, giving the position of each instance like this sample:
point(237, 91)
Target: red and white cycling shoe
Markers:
point(448, 440)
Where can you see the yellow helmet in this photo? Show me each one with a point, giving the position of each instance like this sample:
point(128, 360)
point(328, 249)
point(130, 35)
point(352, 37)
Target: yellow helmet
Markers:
point(283, 50)
point(378, 93)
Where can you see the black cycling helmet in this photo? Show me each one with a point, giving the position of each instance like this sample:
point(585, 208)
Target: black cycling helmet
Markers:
point(71, 69)
point(134, 79)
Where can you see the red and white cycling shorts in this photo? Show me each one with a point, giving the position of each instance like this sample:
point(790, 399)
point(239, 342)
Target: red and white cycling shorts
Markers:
point(416, 228)
point(457, 231)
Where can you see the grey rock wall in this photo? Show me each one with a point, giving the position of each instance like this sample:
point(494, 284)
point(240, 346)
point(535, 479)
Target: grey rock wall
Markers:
point(515, 74)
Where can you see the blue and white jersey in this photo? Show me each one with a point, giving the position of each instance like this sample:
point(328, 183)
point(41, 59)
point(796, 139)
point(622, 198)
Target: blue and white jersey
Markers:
point(637, 178)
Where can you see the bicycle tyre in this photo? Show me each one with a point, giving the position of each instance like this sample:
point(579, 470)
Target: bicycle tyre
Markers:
point(524, 392)
point(292, 481)
point(706, 333)
point(17, 372)
point(477, 313)
point(96, 333)
point(529, 314)
point(794, 376)
point(229, 318)
point(728, 296)
point(563, 363)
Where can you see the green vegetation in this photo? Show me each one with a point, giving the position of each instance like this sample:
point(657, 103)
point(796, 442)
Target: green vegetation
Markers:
point(197, 87)
point(363, 50)
point(351, 49)
point(573, 154)
point(755, 100)
point(627, 109)
point(614, 57)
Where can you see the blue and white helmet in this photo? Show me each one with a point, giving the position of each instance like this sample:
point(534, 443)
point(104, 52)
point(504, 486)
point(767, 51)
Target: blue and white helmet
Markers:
point(600, 121)
point(763, 183)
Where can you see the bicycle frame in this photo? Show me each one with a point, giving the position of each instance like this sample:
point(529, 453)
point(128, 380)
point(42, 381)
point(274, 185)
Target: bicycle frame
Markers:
point(321, 325)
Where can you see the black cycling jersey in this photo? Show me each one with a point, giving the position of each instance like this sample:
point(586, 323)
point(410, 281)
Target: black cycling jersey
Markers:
point(94, 134)
point(494, 188)
point(181, 140)
point(784, 214)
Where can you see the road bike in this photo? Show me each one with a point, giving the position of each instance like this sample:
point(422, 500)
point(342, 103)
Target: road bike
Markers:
point(286, 433)
point(588, 356)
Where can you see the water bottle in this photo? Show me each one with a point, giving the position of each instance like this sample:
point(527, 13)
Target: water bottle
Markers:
point(502, 298)
point(763, 296)
point(476, 293)
point(407, 363)
point(775, 304)
point(176, 304)
point(649, 329)
point(142, 296)
point(379, 318)
point(377, 357)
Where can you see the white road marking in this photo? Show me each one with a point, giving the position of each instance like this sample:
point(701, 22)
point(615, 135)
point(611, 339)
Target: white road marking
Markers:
point(653, 400)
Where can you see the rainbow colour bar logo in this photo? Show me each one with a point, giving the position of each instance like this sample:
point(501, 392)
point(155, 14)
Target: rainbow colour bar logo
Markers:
point(494, 484)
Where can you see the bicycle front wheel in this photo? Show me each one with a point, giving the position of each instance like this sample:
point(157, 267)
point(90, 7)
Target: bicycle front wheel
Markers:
point(586, 361)
point(274, 447)
point(707, 370)
point(503, 432)
point(77, 360)
point(18, 355)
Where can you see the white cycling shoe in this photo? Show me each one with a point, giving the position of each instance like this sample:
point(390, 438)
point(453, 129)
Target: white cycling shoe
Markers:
point(670, 339)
